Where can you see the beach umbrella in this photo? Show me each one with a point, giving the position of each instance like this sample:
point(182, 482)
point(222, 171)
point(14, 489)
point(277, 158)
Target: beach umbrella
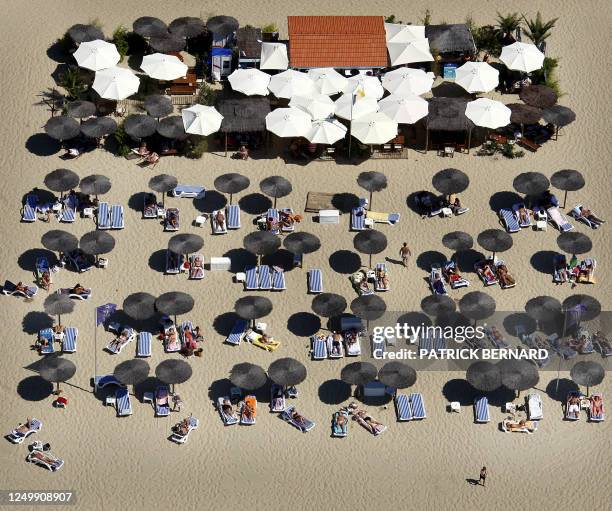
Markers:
point(372, 182)
point(116, 83)
point(484, 376)
point(318, 106)
point(358, 373)
point(287, 372)
point(364, 86)
point(328, 305)
point(539, 96)
point(524, 114)
point(185, 243)
point(96, 184)
point(222, 25)
point(488, 113)
point(173, 372)
point(327, 80)
point(518, 374)
point(531, 183)
point(98, 127)
point(80, 33)
point(568, 181)
point(574, 242)
point(261, 243)
point(409, 52)
point(301, 243)
point(587, 306)
point(96, 55)
point(353, 107)
point(543, 308)
point(163, 184)
point(291, 83)
point(58, 304)
point(370, 242)
point(163, 67)
point(250, 81)
point(59, 241)
point(519, 323)
point(368, 307)
point(373, 129)
point(275, 187)
point(522, 57)
point(139, 306)
point(172, 127)
point(273, 56)
point(148, 26)
point(174, 303)
point(97, 242)
point(587, 373)
point(140, 126)
point(288, 122)
point(158, 105)
point(80, 109)
point(201, 120)
point(495, 240)
point(232, 183)
point(248, 376)
point(477, 305)
point(477, 77)
point(450, 181)
point(406, 109)
point(187, 26)
point(167, 43)
point(436, 305)
point(56, 370)
point(62, 128)
point(404, 81)
point(458, 241)
point(558, 116)
point(61, 180)
point(397, 375)
point(400, 33)
point(253, 307)
point(326, 131)
point(132, 372)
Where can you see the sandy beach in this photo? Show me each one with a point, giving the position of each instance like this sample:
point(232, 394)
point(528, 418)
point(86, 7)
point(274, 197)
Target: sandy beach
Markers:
point(113, 463)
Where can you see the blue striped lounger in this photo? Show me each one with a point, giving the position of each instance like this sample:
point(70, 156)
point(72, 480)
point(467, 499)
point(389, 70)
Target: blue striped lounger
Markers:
point(233, 216)
point(315, 281)
point(103, 216)
point(402, 408)
point(250, 282)
point(163, 409)
point(238, 331)
point(358, 216)
point(278, 280)
point(143, 347)
point(29, 208)
point(122, 402)
point(273, 213)
point(319, 348)
point(417, 406)
point(116, 216)
point(69, 209)
point(425, 343)
point(481, 410)
point(69, 342)
point(378, 348)
point(47, 335)
point(265, 279)
point(509, 220)
point(439, 344)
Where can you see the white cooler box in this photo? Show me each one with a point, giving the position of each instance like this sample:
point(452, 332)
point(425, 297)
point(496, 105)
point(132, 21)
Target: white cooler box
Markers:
point(220, 263)
point(329, 216)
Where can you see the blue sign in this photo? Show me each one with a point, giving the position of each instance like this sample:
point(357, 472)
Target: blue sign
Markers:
point(449, 71)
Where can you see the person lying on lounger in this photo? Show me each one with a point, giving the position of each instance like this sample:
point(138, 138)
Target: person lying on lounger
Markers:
point(248, 412)
point(364, 287)
point(367, 421)
point(573, 407)
point(382, 278)
point(116, 344)
point(588, 214)
point(486, 271)
point(603, 342)
point(438, 285)
point(24, 428)
point(271, 224)
point(23, 289)
point(351, 337)
point(299, 420)
point(242, 153)
point(340, 419)
point(220, 220)
point(580, 343)
point(173, 218)
point(45, 458)
point(596, 406)
point(455, 205)
point(227, 408)
point(277, 398)
point(513, 425)
point(336, 343)
point(585, 270)
point(182, 428)
point(267, 340)
point(503, 275)
point(142, 150)
point(152, 158)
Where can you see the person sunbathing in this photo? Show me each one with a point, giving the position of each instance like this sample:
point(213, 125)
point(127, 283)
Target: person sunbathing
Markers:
point(585, 271)
point(364, 287)
point(486, 272)
point(588, 215)
point(79, 290)
point(382, 278)
point(603, 341)
point(220, 220)
point(267, 340)
point(152, 158)
point(277, 398)
point(596, 406)
point(227, 408)
point(21, 287)
point(523, 214)
point(25, 427)
point(271, 224)
point(45, 458)
point(580, 344)
point(368, 422)
point(514, 425)
point(340, 419)
point(142, 150)
point(243, 153)
point(287, 219)
point(456, 206)
point(171, 336)
point(504, 276)
point(248, 412)
point(182, 428)
point(299, 420)
point(438, 286)
point(336, 343)
point(120, 340)
point(573, 407)
point(197, 268)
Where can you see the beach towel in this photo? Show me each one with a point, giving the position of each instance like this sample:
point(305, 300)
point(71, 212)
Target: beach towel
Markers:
point(143, 347)
point(340, 430)
point(69, 342)
point(481, 410)
point(248, 405)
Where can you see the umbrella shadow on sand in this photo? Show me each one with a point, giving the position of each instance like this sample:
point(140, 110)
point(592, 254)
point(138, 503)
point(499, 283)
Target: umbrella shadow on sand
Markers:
point(224, 323)
point(27, 260)
point(147, 385)
point(466, 259)
point(211, 201)
point(334, 392)
point(219, 388)
point(303, 324)
point(345, 202)
point(34, 388)
point(345, 261)
point(136, 201)
point(240, 258)
point(559, 392)
point(44, 196)
point(426, 259)
point(255, 203)
point(504, 200)
point(542, 261)
point(281, 258)
point(41, 144)
point(157, 260)
point(35, 321)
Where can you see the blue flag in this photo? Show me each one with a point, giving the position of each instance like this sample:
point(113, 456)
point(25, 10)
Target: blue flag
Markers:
point(103, 312)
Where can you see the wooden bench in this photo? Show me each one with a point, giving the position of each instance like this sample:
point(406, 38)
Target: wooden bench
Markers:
point(528, 144)
point(180, 89)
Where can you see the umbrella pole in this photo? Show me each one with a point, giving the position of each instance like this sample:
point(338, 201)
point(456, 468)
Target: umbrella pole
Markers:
point(274, 202)
point(95, 347)
point(226, 144)
point(231, 199)
point(370, 207)
point(57, 390)
point(426, 140)
point(469, 141)
point(370, 265)
point(564, 199)
point(59, 320)
point(556, 133)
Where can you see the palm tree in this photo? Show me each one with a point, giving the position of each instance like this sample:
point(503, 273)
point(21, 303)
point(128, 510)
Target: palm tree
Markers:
point(537, 30)
point(508, 24)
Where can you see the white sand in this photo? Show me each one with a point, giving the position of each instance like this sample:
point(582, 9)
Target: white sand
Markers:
point(114, 463)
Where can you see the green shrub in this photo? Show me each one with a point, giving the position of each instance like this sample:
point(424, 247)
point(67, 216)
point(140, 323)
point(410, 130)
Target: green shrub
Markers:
point(547, 75)
point(122, 141)
point(206, 95)
point(120, 40)
point(196, 147)
point(392, 19)
point(486, 38)
point(72, 81)
point(269, 28)
point(426, 19)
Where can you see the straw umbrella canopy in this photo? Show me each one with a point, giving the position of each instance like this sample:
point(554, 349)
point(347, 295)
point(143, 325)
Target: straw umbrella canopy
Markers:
point(222, 25)
point(495, 240)
point(484, 376)
point(539, 96)
point(364, 85)
point(372, 182)
point(328, 305)
point(253, 307)
point(201, 120)
point(96, 184)
point(531, 183)
point(61, 180)
point(261, 243)
point(167, 42)
point(524, 114)
point(301, 243)
point(148, 26)
point(543, 308)
point(353, 107)
point(173, 372)
point(174, 303)
point(96, 55)
point(58, 304)
point(250, 81)
point(172, 127)
point(588, 307)
point(404, 81)
point(139, 306)
point(518, 374)
point(291, 83)
point(161, 66)
point(97, 242)
point(59, 241)
point(288, 122)
point(326, 131)
point(248, 376)
point(232, 183)
point(99, 127)
point(574, 242)
point(477, 77)
point(409, 52)
point(132, 372)
point(488, 113)
point(370, 242)
point(458, 241)
point(567, 180)
point(450, 181)
point(185, 243)
point(587, 373)
point(187, 26)
point(157, 105)
point(397, 375)
point(477, 305)
point(116, 83)
point(140, 126)
point(275, 187)
point(62, 128)
point(327, 80)
point(522, 57)
point(437, 305)
point(375, 128)
point(358, 373)
point(368, 307)
point(318, 106)
point(80, 109)
point(404, 109)
point(80, 33)
point(287, 372)
point(163, 183)
point(559, 116)
point(56, 370)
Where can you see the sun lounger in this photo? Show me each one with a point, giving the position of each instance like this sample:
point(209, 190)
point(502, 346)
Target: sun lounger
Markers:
point(23, 431)
point(42, 271)
point(45, 459)
point(558, 220)
point(85, 295)
point(560, 273)
point(417, 406)
point(227, 418)
point(265, 279)
point(122, 402)
point(256, 339)
point(172, 214)
point(340, 430)
point(233, 216)
point(596, 414)
point(561, 347)
point(358, 216)
point(572, 411)
point(426, 343)
point(278, 279)
point(534, 407)
point(181, 437)
point(318, 347)
point(218, 228)
point(149, 207)
point(103, 216)
point(273, 214)
point(189, 191)
point(383, 218)
point(69, 209)
point(488, 277)
point(143, 346)
point(526, 223)
point(69, 341)
point(315, 281)
point(249, 403)
point(174, 262)
point(510, 425)
point(301, 423)
point(533, 341)
point(582, 341)
point(277, 398)
point(116, 216)
point(251, 281)
point(499, 263)
point(196, 267)
point(577, 214)
point(121, 341)
point(237, 332)
point(287, 228)
point(509, 220)
point(162, 401)
point(11, 289)
point(436, 280)
point(79, 261)
point(45, 341)
point(481, 410)
point(172, 340)
point(378, 285)
point(352, 342)
point(602, 344)
point(495, 338)
point(334, 351)
point(28, 212)
point(452, 276)
point(403, 410)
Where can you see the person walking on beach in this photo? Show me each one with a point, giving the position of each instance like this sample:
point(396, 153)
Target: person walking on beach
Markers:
point(405, 254)
point(483, 476)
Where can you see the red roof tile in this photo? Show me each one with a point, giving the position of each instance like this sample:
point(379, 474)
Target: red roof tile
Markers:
point(337, 41)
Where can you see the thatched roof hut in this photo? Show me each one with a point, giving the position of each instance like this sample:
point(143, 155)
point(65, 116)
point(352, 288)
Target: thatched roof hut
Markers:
point(243, 114)
point(453, 39)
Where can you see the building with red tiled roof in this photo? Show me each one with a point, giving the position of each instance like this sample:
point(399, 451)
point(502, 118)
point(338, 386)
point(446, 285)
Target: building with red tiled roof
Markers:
point(337, 41)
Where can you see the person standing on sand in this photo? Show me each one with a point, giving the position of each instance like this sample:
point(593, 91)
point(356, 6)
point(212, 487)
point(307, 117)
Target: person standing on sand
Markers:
point(483, 476)
point(405, 254)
